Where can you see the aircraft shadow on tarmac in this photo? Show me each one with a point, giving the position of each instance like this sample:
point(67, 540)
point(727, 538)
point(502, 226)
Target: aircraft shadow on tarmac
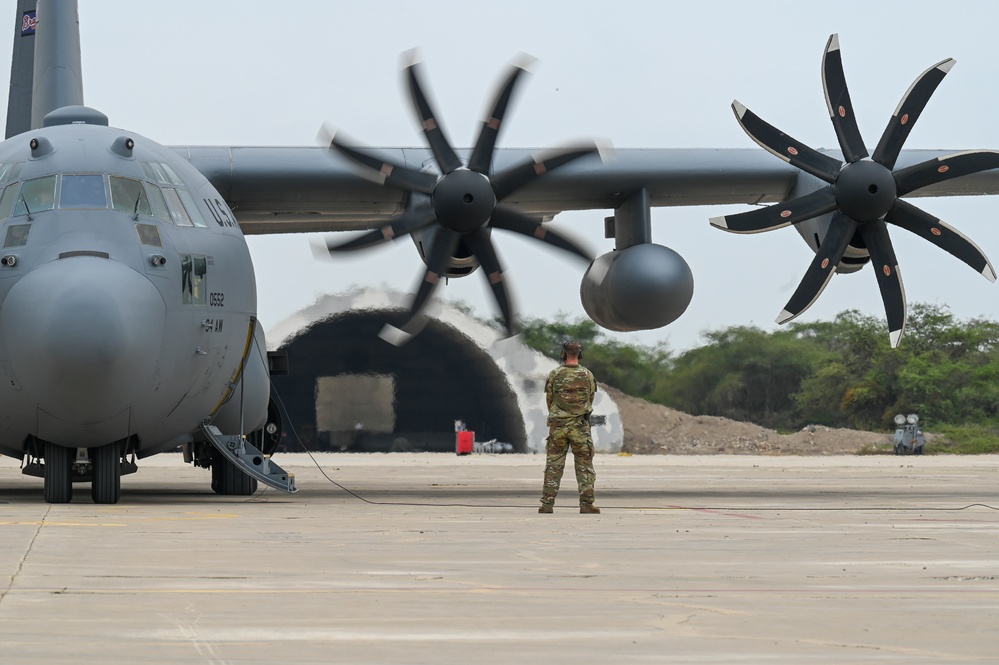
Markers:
point(517, 497)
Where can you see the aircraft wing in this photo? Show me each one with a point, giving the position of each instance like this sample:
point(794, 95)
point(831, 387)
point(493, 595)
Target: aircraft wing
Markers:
point(313, 189)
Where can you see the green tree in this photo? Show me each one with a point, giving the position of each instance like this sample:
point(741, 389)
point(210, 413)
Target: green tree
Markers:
point(819, 400)
point(837, 373)
point(631, 369)
point(548, 336)
point(742, 373)
point(951, 368)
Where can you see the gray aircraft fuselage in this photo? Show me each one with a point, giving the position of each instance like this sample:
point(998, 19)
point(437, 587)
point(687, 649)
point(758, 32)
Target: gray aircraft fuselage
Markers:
point(127, 294)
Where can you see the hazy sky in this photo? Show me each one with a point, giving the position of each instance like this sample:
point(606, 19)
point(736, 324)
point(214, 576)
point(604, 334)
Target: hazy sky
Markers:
point(639, 74)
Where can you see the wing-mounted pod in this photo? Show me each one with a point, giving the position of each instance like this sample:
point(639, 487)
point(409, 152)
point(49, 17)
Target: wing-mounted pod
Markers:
point(639, 285)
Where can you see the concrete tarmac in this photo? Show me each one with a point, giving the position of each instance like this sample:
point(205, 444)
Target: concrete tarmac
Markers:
point(445, 560)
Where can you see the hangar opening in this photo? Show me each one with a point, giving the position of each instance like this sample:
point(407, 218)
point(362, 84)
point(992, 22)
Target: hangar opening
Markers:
point(349, 390)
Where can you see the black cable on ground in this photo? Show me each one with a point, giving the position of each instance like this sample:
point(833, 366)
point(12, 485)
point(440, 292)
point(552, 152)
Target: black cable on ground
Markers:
point(301, 444)
point(357, 496)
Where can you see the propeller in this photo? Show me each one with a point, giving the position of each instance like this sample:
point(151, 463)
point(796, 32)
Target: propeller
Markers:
point(459, 206)
point(863, 192)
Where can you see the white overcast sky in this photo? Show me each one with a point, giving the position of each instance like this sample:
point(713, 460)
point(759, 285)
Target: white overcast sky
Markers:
point(639, 74)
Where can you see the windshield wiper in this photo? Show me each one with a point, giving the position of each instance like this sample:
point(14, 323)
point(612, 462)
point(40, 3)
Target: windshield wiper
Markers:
point(30, 218)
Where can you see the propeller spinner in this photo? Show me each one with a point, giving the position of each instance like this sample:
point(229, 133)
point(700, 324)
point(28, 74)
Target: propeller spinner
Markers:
point(463, 203)
point(863, 193)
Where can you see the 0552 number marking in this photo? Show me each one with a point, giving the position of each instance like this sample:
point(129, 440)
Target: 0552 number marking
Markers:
point(216, 299)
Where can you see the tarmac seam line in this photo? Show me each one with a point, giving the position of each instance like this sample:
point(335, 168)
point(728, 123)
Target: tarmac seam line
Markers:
point(24, 557)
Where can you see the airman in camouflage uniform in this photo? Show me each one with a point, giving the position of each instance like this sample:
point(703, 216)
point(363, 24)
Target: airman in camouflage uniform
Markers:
point(569, 394)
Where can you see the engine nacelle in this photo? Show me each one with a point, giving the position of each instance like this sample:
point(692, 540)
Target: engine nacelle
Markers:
point(462, 263)
point(642, 287)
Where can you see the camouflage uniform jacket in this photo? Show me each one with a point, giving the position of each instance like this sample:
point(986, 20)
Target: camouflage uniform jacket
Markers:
point(569, 394)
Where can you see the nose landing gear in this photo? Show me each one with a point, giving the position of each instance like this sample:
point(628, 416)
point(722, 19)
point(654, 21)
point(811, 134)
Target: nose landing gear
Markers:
point(105, 477)
point(58, 473)
point(60, 467)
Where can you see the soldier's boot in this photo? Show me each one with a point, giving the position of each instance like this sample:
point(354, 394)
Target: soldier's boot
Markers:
point(547, 502)
point(588, 508)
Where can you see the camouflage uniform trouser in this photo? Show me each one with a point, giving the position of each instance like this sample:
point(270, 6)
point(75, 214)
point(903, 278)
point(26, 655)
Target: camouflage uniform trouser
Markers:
point(575, 435)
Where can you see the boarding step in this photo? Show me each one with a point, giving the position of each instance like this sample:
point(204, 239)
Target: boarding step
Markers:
point(249, 460)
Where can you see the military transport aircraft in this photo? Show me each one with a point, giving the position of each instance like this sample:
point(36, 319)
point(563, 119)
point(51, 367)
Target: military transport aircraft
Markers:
point(128, 320)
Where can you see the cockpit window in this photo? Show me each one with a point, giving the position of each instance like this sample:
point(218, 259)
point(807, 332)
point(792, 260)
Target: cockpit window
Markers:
point(10, 171)
point(176, 208)
point(129, 196)
point(17, 235)
point(7, 200)
point(157, 204)
point(192, 280)
point(192, 208)
point(83, 191)
point(149, 234)
point(37, 194)
point(161, 173)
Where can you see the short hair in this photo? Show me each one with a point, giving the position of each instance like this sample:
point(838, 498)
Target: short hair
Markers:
point(572, 348)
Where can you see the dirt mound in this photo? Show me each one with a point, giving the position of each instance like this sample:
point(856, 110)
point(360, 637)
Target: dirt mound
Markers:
point(653, 429)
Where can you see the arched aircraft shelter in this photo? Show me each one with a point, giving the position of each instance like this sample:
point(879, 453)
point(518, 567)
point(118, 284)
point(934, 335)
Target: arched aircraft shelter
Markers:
point(349, 390)
point(356, 391)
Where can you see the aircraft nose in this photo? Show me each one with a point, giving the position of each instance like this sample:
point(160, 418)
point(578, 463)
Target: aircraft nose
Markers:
point(84, 335)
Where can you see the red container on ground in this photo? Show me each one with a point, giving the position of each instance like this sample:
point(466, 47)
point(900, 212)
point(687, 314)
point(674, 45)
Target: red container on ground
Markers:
point(465, 440)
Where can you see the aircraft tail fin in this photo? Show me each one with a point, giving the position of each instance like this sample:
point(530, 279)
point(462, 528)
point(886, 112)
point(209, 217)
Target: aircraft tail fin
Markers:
point(58, 76)
point(46, 67)
point(22, 67)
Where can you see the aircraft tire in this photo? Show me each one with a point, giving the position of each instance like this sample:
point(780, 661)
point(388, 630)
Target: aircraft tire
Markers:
point(58, 479)
point(105, 483)
point(228, 480)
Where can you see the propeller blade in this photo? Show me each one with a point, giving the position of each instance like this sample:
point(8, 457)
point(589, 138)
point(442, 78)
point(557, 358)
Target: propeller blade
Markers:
point(885, 265)
point(436, 211)
point(398, 336)
point(907, 112)
point(482, 155)
point(822, 268)
point(387, 172)
point(480, 245)
point(787, 148)
point(398, 227)
point(516, 177)
point(947, 238)
point(779, 215)
point(444, 245)
point(838, 102)
point(447, 160)
point(944, 168)
point(509, 219)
